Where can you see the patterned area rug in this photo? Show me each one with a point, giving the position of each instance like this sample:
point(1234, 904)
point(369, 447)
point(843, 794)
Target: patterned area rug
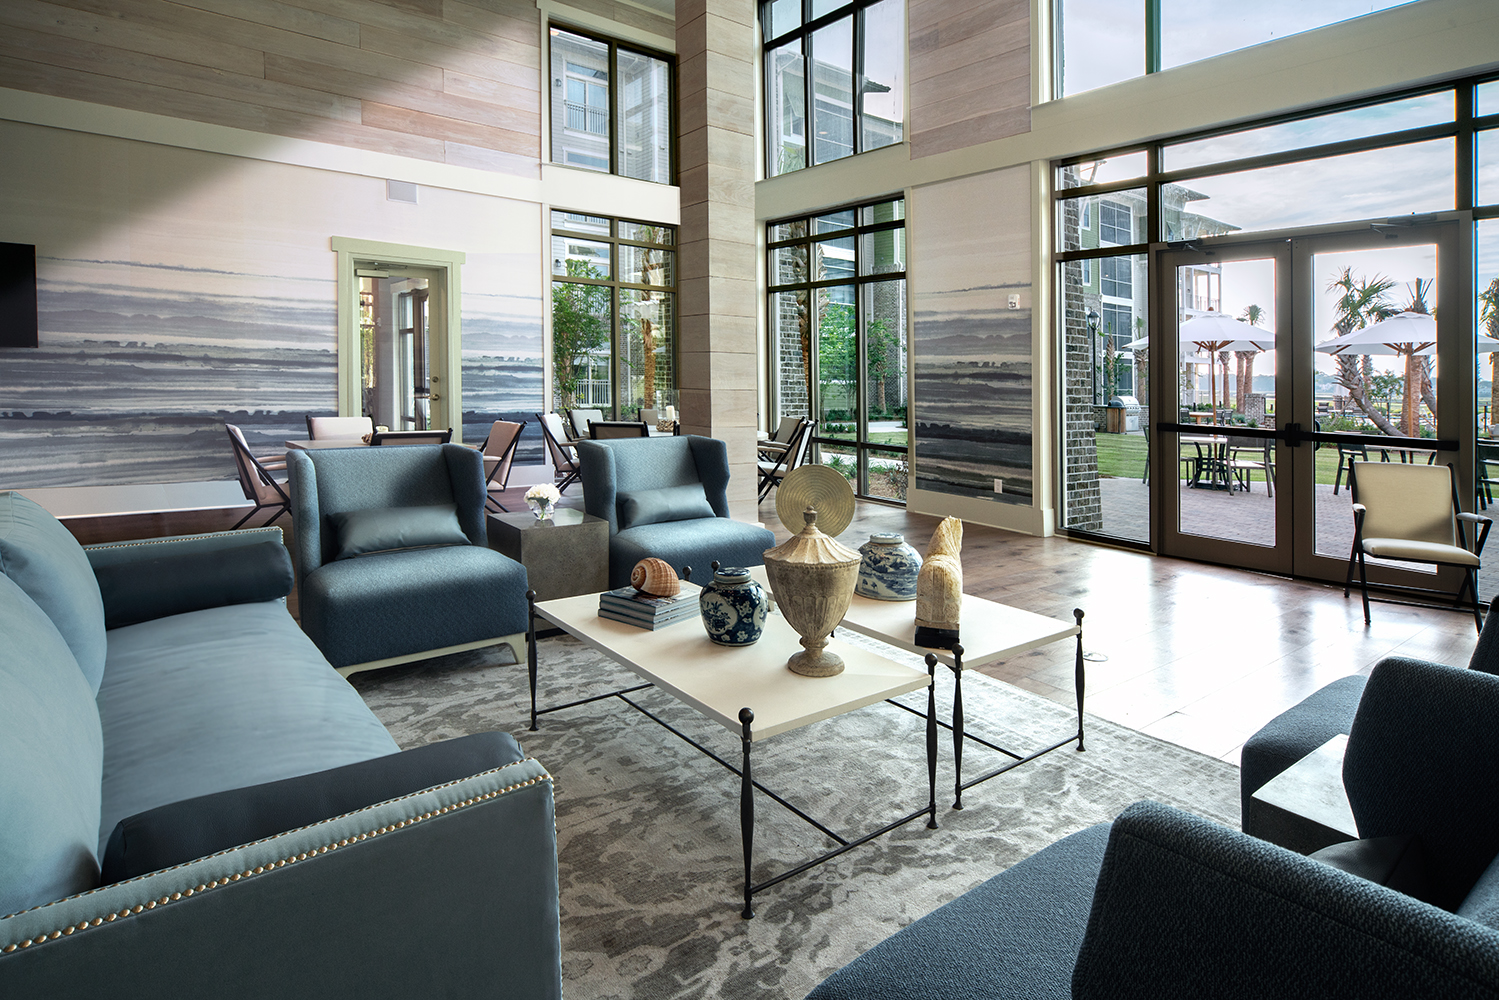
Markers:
point(649, 850)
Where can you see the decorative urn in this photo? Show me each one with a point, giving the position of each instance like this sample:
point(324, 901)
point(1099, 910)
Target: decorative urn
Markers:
point(812, 576)
point(733, 607)
point(888, 568)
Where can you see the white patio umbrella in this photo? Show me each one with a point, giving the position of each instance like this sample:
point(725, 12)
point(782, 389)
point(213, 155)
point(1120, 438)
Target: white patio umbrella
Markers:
point(1409, 335)
point(1213, 332)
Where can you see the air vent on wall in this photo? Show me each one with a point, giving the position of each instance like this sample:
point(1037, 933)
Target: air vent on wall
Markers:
point(400, 191)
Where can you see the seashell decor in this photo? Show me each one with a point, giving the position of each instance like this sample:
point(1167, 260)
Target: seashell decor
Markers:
point(939, 587)
point(655, 577)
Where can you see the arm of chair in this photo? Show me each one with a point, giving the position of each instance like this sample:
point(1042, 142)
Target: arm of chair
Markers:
point(1185, 908)
point(155, 577)
point(1484, 524)
point(451, 891)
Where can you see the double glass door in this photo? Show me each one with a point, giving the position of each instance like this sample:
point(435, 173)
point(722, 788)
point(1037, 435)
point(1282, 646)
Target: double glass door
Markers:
point(1279, 364)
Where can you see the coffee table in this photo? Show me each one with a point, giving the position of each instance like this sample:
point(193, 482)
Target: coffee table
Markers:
point(748, 691)
point(990, 632)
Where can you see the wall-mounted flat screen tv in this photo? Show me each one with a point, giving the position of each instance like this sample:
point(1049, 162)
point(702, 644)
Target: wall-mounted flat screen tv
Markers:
point(18, 295)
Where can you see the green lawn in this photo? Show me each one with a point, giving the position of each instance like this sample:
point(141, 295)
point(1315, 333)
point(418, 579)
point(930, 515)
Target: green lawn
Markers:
point(897, 438)
point(1123, 455)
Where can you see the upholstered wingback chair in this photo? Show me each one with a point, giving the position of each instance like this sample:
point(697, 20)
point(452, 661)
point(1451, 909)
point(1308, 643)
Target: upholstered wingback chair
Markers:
point(393, 562)
point(667, 497)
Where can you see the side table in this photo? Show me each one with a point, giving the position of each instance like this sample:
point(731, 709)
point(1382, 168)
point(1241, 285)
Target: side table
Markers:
point(1304, 808)
point(564, 557)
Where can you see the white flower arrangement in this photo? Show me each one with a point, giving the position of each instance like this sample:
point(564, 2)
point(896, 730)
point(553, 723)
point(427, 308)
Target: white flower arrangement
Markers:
point(544, 492)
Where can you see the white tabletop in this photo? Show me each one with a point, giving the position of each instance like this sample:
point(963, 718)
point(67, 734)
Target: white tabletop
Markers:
point(720, 680)
point(987, 631)
point(322, 443)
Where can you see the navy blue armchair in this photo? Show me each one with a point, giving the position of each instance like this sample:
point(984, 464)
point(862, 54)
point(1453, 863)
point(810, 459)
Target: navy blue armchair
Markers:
point(667, 497)
point(393, 562)
point(1161, 904)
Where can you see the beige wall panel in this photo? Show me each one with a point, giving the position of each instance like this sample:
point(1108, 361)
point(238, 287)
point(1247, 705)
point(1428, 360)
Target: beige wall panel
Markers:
point(522, 118)
point(123, 64)
point(626, 14)
point(519, 24)
point(288, 16)
point(976, 52)
point(924, 14)
point(448, 129)
point(979, 104)
point(475, 88)
point(961, 135)
point(89, 26)
point(733, 112)
point(1004, 18)
point(692, 74)
point(520, 164)
point(506, 62)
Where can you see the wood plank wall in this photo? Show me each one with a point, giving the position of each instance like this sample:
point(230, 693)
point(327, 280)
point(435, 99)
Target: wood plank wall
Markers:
point(451, 81)
point(970, 65)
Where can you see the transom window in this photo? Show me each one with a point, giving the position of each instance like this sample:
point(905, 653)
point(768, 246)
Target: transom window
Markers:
point(611, 107)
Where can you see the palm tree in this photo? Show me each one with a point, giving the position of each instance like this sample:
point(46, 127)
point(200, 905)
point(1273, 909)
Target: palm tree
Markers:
point(1419, 367)
point(1252, 315)
point(1360, 301)
point(1489, 317)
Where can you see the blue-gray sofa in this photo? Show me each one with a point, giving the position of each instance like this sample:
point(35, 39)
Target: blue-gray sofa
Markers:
point(667, 497)
point(1161, 904)
point(425, 581)
point(192, 801)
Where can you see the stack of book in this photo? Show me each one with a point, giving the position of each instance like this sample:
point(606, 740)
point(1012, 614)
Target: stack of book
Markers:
point(630, 606)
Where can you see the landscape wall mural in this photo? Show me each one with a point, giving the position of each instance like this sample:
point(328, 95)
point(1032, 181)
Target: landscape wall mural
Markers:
point(180, 290)
point(972, 350)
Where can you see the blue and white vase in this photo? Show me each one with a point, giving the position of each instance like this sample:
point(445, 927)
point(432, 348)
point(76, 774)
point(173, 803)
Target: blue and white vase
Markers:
point(733, 607)
point(888, 568)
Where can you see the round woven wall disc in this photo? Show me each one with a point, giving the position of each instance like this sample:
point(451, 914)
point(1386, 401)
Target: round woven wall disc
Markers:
point(815, 486)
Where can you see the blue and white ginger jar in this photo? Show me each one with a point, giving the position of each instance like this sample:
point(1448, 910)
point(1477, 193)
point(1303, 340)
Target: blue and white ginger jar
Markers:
point(888, 568)
point(733, 607)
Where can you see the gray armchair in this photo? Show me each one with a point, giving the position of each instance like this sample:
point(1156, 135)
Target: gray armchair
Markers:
point(1161, 904)
point(392, 557)
point(667, 497)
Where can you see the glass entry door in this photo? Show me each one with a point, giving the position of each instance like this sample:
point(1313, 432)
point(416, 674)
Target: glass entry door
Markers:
point(1276, 372)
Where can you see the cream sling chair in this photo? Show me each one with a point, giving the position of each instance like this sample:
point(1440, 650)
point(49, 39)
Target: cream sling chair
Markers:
point(1410, 513)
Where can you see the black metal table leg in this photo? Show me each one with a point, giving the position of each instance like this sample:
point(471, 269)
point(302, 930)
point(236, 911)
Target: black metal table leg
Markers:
point(1079, 680)
point(957, 724)
point(531, 650)
point(747, 812)
point(931, 740)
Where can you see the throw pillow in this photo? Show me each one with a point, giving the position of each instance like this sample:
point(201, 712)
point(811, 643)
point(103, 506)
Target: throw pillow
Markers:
point(669, 503)
point(382, 529)
point(183, 831)
point(1394, 862)
point(191, 581)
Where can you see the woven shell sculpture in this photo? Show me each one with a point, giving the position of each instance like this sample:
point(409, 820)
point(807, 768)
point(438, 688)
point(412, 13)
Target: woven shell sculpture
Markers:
point(655, 577)
point(939, 586)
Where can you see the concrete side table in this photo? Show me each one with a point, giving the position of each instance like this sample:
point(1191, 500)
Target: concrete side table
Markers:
point(1305, 808)
point(564, 557)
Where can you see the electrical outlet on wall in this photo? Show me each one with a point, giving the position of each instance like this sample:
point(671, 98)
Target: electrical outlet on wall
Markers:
point(999, 486)
point(1014, 304)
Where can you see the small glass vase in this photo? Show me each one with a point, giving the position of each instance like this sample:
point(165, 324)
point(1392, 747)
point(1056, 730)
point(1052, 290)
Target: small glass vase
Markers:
point(541, 508)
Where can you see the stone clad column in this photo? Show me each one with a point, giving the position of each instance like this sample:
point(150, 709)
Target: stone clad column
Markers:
point(717, 293)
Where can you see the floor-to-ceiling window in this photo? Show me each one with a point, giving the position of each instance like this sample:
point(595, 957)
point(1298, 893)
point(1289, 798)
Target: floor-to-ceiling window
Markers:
point(614, 314)
point(852, 99)
point(838, 338)
point(611, 107)
point(1401, 164)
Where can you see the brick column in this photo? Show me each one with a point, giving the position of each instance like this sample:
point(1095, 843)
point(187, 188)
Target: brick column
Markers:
point(717, 245)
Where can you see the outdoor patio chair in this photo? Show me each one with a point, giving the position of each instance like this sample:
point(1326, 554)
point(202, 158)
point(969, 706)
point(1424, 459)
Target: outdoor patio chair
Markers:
point(772, 472)
point(346, 428)
point(1262, 459)
point(443, 436)
point(578, 421)
point(1347, 454)
point(1487, 456)
point(1410, 513)
point(499, 455)
point(564, 464)
point(255, 479)
point(776, 442)
point(602, 430)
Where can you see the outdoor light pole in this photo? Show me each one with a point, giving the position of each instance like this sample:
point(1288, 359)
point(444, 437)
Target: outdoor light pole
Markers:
point(1092, 317)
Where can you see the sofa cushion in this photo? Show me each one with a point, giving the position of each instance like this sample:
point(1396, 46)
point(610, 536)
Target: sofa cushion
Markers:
point(50, 753)
point(1482, 902)
point(668, 503)
point(399, 603)
point(47, 562)
point(1395, 862)
point(182, 831)
point(221, 698)
point(180, 582)
point(1015, 936)
point(383, 529)
point(697, 543)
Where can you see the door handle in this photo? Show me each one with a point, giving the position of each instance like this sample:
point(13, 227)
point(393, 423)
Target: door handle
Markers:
point(1292, 435)
point(434, 397)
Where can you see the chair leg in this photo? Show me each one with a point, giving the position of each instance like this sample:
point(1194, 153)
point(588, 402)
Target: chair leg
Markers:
point(1363, 582)
point(253, 511)
point(1337, 479)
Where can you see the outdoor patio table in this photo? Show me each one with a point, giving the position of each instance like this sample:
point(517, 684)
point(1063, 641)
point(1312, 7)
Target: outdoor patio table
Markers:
point(1212, 458)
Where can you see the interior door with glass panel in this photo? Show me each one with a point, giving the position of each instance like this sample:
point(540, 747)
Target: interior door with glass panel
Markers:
point(401, 361)
point(1382, 310)
point(1219, 395)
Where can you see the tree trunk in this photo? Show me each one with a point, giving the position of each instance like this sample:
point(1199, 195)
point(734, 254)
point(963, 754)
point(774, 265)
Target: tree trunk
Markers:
point(1428, 390)
point(648, 364)
point(1351, 377)
point(1410, 404)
